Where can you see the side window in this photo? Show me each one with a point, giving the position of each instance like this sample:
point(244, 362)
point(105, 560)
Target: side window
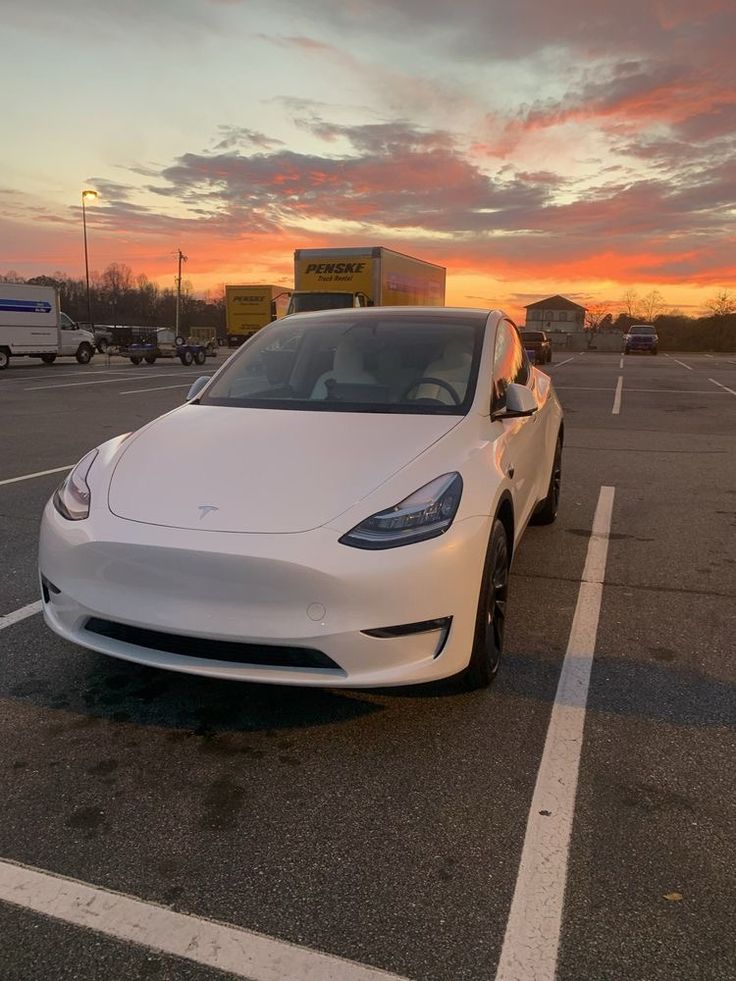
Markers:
point(66, 322)
point(510, 363)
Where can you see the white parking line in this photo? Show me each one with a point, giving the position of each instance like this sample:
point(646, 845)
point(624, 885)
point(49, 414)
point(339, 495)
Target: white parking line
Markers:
point(160, 388)
point(617, 397)
point(724, 387)
point(82, 373)
point(104, 381)
point(621, 361)
point(532, 935)
point(566, 361)
point(22, 614)
point(677, 361)
point(228, 948)
point(30, 476)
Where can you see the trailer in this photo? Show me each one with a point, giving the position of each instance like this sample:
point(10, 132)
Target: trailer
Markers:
point(158, 343)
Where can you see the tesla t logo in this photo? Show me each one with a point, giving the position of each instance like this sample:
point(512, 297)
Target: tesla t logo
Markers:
point(204, 510)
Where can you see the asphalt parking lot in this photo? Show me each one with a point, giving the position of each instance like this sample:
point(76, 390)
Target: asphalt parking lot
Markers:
point(398, 829)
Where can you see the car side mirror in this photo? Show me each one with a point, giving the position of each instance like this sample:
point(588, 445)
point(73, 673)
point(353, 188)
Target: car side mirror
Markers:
point(520, 402)
point(197, 387)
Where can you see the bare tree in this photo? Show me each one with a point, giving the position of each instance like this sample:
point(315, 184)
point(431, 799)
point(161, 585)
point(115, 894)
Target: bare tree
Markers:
point(630, 303)
point(594, 314)
point(650, 305)
point(723, 303)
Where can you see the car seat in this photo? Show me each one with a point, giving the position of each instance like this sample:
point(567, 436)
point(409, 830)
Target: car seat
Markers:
point(347, 369)
point(453, 367)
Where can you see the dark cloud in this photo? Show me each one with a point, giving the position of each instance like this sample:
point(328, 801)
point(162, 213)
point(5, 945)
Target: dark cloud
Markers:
point(232, 137)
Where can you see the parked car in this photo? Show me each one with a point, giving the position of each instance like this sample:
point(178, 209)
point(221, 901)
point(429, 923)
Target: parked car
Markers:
point(338, 506)
point(641, 337)
point(537, 346)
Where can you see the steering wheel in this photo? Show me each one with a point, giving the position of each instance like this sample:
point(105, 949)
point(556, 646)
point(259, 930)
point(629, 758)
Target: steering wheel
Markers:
point(428, 379)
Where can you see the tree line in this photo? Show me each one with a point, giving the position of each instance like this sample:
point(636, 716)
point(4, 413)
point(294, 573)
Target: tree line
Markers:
point(121, 298)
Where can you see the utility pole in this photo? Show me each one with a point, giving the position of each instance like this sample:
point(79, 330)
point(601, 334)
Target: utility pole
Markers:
point(181, 258)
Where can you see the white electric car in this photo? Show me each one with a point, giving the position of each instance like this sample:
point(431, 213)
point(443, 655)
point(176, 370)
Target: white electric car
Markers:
point(338, 505)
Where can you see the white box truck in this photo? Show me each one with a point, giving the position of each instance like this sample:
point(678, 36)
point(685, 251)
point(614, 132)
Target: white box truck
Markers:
point(359, 277)
point(32, 325)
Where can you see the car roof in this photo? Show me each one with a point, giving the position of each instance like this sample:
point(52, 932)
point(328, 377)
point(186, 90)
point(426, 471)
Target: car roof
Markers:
point(398, 312)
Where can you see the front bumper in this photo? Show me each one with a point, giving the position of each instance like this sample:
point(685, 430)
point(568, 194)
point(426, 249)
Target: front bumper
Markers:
point(295, 591)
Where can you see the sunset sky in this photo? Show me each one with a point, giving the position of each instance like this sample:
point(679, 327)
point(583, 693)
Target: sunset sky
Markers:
point(585, 147)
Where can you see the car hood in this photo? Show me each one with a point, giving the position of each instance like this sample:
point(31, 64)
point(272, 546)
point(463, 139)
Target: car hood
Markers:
point(232, 469)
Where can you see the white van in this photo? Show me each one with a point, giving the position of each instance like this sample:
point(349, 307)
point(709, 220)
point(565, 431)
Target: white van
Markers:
point(32, 325)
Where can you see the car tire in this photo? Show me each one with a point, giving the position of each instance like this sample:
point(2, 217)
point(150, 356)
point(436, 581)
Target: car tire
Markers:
point(84, 354)
point(200, 357)
point(4, 358)
point(135, 359)
point(102, 345)
point(485, 656)
point(186, 358)
point(546, 511)
point(48, 358)
point(150, 359)
point(178, 340)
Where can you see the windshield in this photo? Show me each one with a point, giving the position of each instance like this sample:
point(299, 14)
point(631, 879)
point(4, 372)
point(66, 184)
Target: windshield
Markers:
point(641, 330)
point(357, 362)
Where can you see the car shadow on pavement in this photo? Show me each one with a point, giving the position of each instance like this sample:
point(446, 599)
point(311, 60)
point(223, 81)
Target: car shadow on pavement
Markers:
point(106, 688)
point(660, 692)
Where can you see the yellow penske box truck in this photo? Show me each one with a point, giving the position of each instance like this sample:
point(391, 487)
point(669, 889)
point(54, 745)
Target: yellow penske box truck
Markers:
point(332, 278)
point(248, 308)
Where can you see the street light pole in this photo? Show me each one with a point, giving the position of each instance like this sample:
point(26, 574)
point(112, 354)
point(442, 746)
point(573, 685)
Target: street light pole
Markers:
point(92, 196)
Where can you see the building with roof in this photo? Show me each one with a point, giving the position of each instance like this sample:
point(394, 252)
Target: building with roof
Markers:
point(556, 313)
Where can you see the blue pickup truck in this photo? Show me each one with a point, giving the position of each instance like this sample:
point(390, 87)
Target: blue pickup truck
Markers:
point(641, 337)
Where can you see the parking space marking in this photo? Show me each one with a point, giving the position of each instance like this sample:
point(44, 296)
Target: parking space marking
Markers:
point(227, 948)
point(724, 387)
point(103, 381)
point(23, 377)
point(532, 936)
point(677, 361)
point(30, 476)
point(22, 614)
point(567, 361)
point(617, 397)
point(621, 361)
point(160, 388)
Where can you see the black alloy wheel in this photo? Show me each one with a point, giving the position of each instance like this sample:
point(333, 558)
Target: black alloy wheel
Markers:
point(491, 617)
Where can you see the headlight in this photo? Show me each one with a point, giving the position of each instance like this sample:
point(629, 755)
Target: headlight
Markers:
point(426, 513)
point(72, 497)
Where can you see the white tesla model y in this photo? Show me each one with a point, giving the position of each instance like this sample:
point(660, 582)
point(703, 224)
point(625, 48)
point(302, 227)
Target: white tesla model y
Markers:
point(339, 505)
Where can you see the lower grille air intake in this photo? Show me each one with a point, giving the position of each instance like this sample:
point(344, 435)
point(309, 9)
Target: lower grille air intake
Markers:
point(263, 655)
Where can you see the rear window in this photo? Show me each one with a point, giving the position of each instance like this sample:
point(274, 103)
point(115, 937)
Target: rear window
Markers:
point(641, 329)
point(532, 335)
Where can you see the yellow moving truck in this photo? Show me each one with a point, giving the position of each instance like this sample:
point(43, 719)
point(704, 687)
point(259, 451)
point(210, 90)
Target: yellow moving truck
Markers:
point(333, 278)
point(248, 308)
